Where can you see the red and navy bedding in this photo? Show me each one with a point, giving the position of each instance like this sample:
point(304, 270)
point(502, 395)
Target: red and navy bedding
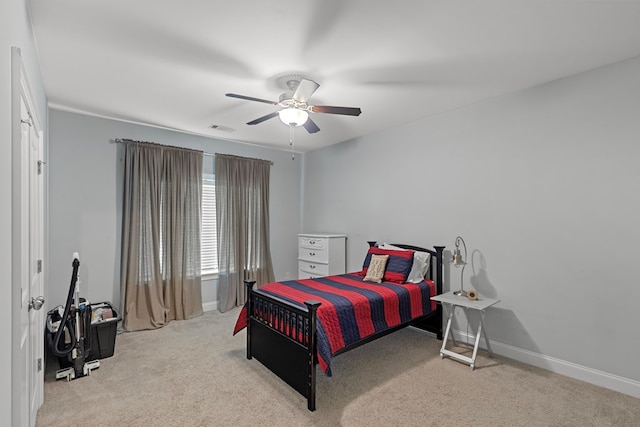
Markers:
point(351, 309)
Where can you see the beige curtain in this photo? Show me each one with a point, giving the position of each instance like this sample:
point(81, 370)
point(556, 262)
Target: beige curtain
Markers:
point(160, 264)
point(242, 214)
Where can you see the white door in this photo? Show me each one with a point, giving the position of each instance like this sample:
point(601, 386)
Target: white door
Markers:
point(36, 315)
point(27, 247)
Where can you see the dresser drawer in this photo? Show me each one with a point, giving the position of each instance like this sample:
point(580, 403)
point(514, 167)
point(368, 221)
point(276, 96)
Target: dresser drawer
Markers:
point(306, 275)
point(314, 255)
point(313, 268)
point(309, 242)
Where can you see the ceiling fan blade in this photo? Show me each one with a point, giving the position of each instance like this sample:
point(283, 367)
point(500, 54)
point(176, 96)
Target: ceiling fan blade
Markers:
point(311, 126)
point(305, 89)
point(263, 118)
point(250, 98)
point(347, 111)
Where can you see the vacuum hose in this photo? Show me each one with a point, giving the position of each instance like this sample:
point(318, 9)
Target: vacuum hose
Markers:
point(66, 320)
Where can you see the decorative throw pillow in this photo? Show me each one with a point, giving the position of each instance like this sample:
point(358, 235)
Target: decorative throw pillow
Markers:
point(375, 272)
point(398, 266)
point(421, 262)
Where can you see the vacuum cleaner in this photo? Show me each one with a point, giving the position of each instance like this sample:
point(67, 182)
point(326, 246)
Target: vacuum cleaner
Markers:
point(74, 324)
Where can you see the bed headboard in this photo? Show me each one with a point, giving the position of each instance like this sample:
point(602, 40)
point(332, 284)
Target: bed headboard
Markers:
point(436, 270)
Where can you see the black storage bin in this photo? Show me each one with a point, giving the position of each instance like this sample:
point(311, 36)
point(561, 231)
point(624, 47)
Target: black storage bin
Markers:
point(103, 332)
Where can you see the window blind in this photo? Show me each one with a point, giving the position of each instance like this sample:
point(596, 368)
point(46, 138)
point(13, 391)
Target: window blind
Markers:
point(208, 238)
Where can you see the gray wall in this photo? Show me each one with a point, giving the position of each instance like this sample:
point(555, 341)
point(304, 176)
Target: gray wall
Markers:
point(542, 185)
point(15, 30)
point(86, 201)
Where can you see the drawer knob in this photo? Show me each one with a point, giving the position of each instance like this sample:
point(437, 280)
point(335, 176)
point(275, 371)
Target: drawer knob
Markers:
point(312, 266)
point(312, 253)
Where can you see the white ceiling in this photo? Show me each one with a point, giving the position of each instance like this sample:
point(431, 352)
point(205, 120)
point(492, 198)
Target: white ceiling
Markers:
point(169, 63)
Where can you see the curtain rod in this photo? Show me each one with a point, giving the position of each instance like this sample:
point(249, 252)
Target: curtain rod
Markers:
point(121, 140)
point(243, 158)
point(204, 153)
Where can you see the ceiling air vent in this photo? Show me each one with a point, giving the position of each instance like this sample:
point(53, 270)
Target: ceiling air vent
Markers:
point(222, 128)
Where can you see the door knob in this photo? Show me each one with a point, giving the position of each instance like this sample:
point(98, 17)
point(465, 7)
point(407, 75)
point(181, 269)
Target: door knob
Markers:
point(36, 303)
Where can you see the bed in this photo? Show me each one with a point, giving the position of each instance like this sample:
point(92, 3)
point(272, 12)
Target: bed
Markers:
point(294, 325)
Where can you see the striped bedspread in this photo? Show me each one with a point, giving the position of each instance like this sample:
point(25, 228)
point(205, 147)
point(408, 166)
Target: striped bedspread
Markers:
point(351, 308)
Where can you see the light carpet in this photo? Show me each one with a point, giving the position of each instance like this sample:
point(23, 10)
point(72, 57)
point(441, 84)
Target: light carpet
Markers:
point(195, 373)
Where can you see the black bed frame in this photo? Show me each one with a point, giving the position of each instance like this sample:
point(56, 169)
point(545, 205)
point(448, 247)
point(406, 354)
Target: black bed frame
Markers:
point(293, 356)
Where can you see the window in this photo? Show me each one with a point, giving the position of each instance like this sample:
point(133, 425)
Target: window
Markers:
point(208, 234)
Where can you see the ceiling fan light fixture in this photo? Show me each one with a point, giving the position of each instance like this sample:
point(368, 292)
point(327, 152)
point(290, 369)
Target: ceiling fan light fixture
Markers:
point(293, 116)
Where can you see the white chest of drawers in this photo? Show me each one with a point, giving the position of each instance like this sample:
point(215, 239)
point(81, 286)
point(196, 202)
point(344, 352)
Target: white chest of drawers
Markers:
point(321, 255)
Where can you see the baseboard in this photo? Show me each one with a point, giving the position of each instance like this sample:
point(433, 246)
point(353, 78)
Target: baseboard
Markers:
point(209, 306)
point(562, 367)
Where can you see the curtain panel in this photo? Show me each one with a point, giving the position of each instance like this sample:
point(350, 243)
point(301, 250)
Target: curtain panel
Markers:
point(160, 263)
point(242, 216)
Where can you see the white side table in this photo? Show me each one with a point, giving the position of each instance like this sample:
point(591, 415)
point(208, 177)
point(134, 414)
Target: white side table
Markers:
point(449, 303)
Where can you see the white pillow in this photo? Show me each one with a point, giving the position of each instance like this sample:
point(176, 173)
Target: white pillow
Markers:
point(421, 262)
point(390, 247)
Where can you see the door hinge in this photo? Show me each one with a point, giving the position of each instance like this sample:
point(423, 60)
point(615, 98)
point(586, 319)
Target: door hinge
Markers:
point(40, 163)
point(39, 266)
point(39, 364)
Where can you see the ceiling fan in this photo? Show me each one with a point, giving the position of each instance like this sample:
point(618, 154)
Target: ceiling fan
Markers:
point(295, 109)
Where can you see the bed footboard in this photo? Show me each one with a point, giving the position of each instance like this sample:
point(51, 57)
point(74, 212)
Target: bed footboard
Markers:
point(283, 338)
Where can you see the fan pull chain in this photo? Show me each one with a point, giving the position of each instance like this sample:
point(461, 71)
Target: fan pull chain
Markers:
point(291, 142)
